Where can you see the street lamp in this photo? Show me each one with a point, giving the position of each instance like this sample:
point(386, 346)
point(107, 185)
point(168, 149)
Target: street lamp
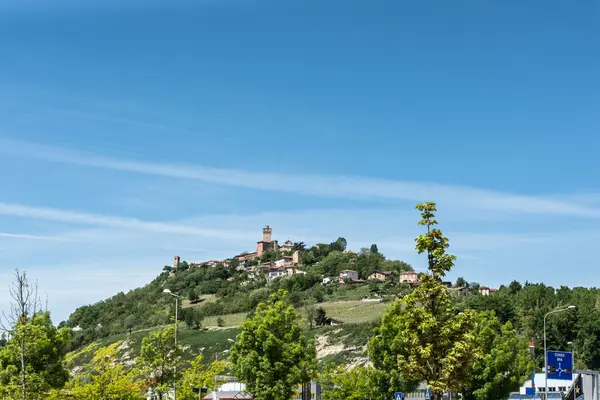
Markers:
point(546, 349)
point(167, 291)
point(572, 352)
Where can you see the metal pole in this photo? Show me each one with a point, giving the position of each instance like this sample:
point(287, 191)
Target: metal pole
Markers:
point(176, 329)
point(545, 361)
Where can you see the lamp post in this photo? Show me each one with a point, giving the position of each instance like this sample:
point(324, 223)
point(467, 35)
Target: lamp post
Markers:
point(167, 291)
point(546, 349)
point(572, 352)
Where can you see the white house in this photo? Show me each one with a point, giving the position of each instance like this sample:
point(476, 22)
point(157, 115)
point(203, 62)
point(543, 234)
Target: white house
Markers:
point(275, 273)
point(348, 275)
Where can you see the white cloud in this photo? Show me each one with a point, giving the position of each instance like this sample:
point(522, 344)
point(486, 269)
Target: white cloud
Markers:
point(24, 211)
point(32, 237)
point(104, 258)
point(314, 185)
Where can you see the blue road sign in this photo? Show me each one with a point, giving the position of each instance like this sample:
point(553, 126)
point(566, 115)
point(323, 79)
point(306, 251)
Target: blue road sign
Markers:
point(530, 391)
point(427, 394)
point(560, 365)
point(398, 396)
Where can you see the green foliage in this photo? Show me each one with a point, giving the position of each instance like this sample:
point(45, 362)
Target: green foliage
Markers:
point(44, 348)
point(433, 243)
point(104, 378)
point(198, 375)
point(422, 338)
point(270, 255)
point(161, 360)
point(502, 362)
point(358, 383)
point(272, 354)
point(321, 318)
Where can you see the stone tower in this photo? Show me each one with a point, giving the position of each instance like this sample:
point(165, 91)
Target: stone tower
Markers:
point(176, 262)
point(267, 234)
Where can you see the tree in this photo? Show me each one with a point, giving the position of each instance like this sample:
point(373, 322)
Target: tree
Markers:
point(32, 359)
point(422, 338)
point(129, 323)
point(502, 361)
point(198, 375)
point(321, 317)
point(160, 359)
point(105, 378)
point(272, 355)
point(350, 384)
point(461, 282)
point(311, 313)
point(300, 246)
point(193, 295)
point(220, 322)
point(374, 249)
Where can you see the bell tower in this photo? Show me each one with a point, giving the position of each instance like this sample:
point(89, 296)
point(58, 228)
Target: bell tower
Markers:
point(267, 234)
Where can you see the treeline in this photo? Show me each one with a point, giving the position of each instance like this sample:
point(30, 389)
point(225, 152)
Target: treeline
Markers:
point(526, 305)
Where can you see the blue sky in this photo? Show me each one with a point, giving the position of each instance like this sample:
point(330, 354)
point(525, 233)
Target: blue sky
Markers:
point(134, 131)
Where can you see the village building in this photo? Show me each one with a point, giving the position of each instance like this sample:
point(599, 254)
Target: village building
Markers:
point(348, 275)
point(267, 242)
point(381, 276)
point(410, 277)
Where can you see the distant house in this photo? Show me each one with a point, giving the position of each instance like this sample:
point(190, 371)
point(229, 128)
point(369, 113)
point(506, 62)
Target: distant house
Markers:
point(292, 270)
point(381, 276)
point(484, 290)
point(348, 275)
point(274, 273)
point(411, 277)
point(459, 291)
point(327, 280)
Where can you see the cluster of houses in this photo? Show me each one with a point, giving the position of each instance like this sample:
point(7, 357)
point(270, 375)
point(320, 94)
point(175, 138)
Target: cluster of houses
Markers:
point(348, 277)
point(288, 264)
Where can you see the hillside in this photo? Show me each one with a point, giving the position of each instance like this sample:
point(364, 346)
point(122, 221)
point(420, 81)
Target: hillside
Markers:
point(218, 295)
point(230, 289)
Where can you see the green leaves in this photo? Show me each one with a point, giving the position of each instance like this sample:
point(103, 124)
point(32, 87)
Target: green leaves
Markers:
point(433, 243)
point(272, 355)
point(160, 359)
point(502, 363)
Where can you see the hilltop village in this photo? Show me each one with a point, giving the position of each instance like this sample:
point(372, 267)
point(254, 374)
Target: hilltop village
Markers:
point(286, 261)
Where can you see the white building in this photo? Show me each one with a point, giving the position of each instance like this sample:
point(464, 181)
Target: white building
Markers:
point(554, 385)
point(273, 274)
point(348, 274)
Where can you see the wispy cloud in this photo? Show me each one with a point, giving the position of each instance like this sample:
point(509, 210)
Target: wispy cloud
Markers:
point(314, 185)
point(18, 210)
point(32, 237)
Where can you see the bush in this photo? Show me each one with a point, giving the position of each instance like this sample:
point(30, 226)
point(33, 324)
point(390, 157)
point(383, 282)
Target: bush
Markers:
point(220, 322)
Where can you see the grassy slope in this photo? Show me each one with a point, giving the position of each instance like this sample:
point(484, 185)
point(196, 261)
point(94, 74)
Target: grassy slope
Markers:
point(341, 343)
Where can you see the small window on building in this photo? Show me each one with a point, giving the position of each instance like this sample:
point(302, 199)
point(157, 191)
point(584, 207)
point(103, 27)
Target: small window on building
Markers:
point(552, 389)
point(562, 389)
point(542, 389)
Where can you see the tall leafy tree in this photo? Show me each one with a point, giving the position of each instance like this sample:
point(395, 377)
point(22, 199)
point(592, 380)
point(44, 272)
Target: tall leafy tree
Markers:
point(160, 360)
point(502, 361)
point(422, 337)
point(32, 358)
point(272, 354)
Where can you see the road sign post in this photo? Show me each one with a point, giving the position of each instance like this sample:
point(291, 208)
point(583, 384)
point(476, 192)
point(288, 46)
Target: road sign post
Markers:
point(560, 365)
point(427, 394)
point(398, 396)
